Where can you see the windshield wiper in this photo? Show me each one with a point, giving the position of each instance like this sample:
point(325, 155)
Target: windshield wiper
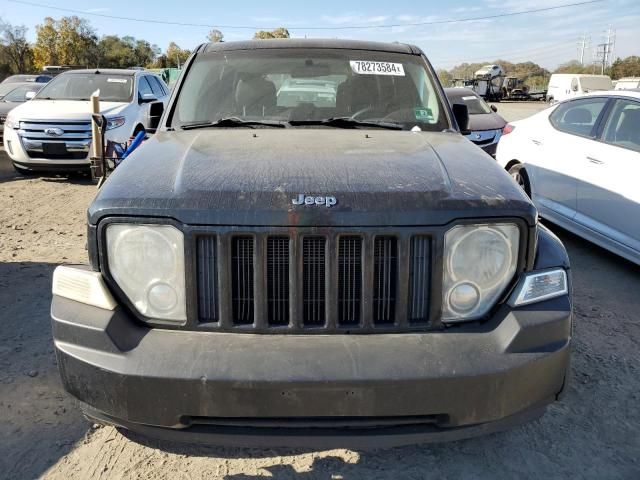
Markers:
point(230, 122)
point(348, 122)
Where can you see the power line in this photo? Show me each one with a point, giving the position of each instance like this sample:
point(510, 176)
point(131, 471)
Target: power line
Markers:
point(341, 27)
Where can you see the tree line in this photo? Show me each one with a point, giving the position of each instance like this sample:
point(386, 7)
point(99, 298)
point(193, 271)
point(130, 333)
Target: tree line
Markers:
point(536, 76)
point(73, 41)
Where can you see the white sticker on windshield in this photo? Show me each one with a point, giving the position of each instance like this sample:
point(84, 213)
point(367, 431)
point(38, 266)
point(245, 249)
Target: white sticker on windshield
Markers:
point(470, 97)
point(365, 67)
point(117, 80)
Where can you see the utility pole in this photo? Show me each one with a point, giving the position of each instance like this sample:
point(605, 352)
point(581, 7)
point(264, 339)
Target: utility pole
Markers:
point(604, 51)
point(583, 45)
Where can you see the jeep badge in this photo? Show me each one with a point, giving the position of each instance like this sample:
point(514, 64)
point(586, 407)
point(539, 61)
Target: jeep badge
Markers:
point(311, 200)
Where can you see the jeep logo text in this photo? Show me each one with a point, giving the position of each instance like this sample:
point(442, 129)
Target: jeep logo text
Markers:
point(303, 199)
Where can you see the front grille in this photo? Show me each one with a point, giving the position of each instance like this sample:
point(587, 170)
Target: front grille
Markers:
point(311, 281)
point(278, 280)
point(385, 258)
point(242, 280)
point(419, 275)
point(207, 279)
point(349, 280)
point(55, 140)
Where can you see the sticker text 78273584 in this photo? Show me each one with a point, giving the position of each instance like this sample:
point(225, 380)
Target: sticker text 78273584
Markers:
point(365, 67)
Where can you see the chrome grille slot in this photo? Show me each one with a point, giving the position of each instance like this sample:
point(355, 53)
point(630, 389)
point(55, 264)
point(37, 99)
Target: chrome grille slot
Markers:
point(349, 279)
point(207, 279)
point(278, 280)
point(385, 254)
point(72, 139)
point(242, 274)
point(314, 281)
point(419, 279)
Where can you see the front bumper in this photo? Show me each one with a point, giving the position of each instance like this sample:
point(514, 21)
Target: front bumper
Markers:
point(314, 391)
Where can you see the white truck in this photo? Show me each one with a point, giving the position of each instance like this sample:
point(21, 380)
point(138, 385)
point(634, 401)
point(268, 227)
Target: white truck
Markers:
point(567, 85)
point(488, 82)
point(53, 132)
point(628, 83)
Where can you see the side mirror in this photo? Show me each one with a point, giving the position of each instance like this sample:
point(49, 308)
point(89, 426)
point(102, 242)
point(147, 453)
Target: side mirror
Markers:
point(494, 108)
point(147, 98)
point(29, 95)
point(461, 114)
point(156, 109)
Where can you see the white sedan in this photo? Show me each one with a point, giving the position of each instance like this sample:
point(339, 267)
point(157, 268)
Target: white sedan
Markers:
point(579, 161)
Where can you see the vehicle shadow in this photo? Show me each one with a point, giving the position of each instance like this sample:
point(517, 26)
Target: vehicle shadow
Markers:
point(39, 422)
point(8, 174)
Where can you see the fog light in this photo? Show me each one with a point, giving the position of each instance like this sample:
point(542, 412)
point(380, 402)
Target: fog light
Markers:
point(464, 297)
point(536, 287)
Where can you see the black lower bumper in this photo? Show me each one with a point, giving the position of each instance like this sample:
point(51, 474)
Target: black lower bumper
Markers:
point(331, 390)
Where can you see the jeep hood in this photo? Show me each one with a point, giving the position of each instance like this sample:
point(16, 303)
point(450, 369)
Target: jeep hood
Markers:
point(250, 176)
point(42, 110)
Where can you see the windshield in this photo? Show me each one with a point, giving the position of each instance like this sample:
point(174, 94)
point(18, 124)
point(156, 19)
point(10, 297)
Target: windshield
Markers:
point(596, 83)
point(475, 105)
point(20, 94)
point(80, 86)
point(307, 85)
point(6, 88)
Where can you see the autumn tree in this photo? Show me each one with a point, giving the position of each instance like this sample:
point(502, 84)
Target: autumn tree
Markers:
point(215, 36)
point(446, 79)
point(45, 50)
point(176, 56)
point(277, 33)
point(68, 41)
point(16, 48)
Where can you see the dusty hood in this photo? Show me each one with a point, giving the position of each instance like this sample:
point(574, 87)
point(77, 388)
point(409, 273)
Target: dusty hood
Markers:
point(250, 177)
point(62, 110)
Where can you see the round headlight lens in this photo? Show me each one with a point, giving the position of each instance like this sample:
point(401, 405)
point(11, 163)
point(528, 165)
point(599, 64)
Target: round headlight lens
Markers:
point(464, 297)
point(162, 297)
point(482, 256)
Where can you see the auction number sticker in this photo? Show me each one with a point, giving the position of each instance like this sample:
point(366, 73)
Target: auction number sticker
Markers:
point(365, 67)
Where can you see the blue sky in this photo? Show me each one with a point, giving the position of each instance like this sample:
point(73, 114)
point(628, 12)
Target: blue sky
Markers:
point(548, 38)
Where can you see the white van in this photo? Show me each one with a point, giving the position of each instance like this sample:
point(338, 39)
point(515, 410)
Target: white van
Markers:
point(628, 83)
point(567, 85)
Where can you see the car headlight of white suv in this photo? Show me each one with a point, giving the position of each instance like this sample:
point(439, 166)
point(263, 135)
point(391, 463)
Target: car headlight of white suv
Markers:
point(147, 263)
point(479, 263)
point(11, 122)
point(115, 122)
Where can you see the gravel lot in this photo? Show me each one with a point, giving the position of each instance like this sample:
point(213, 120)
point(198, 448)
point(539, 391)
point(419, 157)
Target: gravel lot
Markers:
point(593, 433)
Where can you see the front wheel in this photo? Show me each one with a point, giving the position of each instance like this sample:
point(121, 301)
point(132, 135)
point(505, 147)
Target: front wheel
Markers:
point(519, 174)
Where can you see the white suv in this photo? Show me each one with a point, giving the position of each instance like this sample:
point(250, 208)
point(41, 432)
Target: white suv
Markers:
point(53, 132)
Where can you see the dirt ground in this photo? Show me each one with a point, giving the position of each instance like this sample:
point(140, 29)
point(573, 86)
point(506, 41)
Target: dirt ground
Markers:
point(593, 433)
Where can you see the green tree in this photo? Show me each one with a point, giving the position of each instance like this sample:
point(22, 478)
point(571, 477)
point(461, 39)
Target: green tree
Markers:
point(277, 33)
point(176, 56)
point(16, 48)
point(446, 79)
point(629, 67)
point(573, 66)
point(215, 36)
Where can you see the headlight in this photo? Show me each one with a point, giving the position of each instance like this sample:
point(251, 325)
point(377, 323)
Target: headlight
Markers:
point(479, 263)
point(115, 122)
point(147, 263)
point(11, 122)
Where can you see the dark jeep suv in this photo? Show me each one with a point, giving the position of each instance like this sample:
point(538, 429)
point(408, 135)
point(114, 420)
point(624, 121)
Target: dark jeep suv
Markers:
point(309, 253)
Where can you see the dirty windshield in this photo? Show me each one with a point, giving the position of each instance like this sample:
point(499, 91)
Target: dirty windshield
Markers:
point(80, 86)
point(300, 87)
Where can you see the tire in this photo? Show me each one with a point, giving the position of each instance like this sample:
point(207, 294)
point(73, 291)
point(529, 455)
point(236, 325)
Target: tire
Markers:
point(519, 174)
point(550, 101)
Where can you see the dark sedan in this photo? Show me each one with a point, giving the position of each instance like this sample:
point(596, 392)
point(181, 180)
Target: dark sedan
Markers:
point(485, 125)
